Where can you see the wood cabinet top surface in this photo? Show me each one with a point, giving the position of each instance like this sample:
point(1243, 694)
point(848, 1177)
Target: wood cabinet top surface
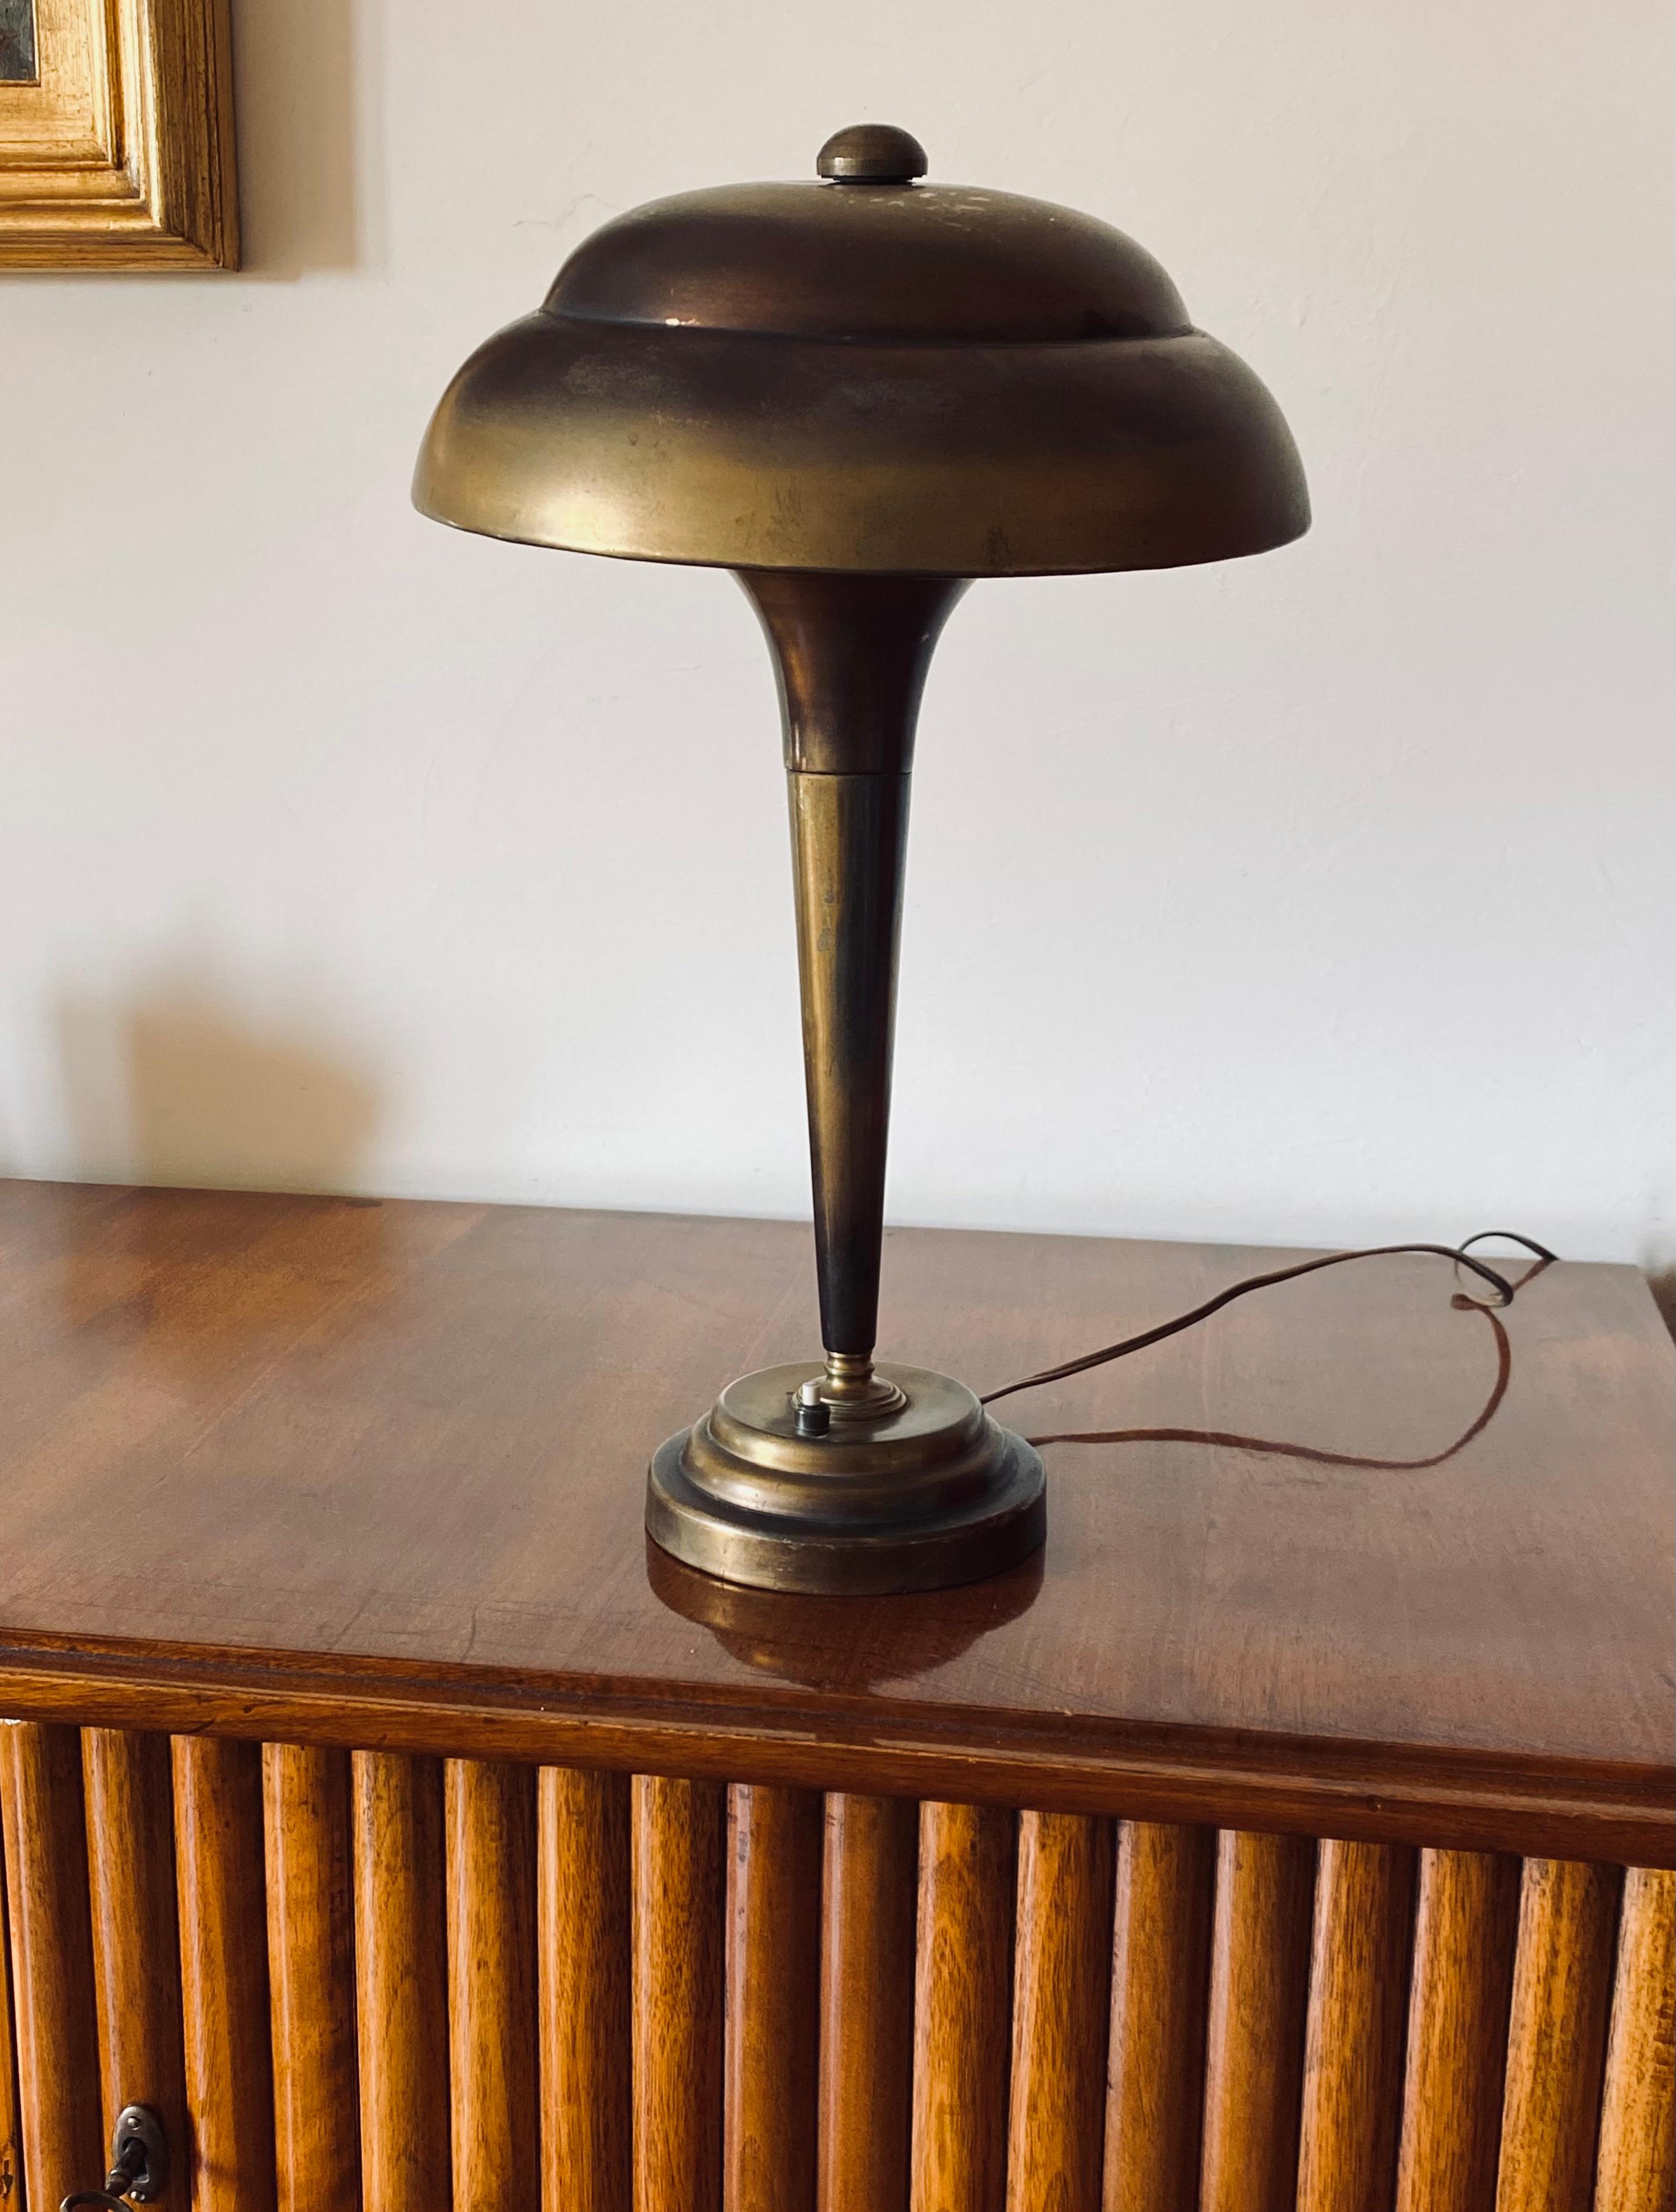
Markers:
point(363, 1470)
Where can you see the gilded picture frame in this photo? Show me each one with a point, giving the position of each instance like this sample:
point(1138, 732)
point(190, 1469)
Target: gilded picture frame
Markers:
point(116, 135)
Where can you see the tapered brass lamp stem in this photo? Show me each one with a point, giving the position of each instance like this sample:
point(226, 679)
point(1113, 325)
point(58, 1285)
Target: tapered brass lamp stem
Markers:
point(849, 837)
point(850, 653)
point(851, 1477)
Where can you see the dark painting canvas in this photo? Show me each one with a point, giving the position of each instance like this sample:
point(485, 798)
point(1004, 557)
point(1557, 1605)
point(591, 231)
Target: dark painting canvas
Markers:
point(17, 41)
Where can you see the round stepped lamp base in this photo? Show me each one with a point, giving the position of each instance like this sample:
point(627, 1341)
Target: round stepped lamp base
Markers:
point(925, 1492)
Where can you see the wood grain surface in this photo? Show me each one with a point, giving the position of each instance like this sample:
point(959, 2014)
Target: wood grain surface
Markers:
point(224, 1974)
point(962, 2010)
point(1562, 1988)
point(11, 2133)
point(489, 1826)
point(1636, 2170)
point(129, 1787)
point(401, 1981)
point(230, 1504)
point(1254, 2044)
point(1161, 1961)
point(622, 1992)
point(774, 1840)
point(867, 2058)
point(51, 1961)
point(1466, 1927)
point(1353, 2047)
point(583, 1985)
point(680, 1892)
point(311, 1975)
point(1061, 2001)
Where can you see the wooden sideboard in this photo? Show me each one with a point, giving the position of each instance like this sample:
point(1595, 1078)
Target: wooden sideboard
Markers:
point(1294, 1832)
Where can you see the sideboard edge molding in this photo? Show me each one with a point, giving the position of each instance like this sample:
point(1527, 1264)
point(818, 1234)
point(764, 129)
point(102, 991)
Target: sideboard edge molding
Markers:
point(1623, 1817)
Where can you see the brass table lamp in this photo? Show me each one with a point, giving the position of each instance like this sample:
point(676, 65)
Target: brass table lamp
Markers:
point(859, 394)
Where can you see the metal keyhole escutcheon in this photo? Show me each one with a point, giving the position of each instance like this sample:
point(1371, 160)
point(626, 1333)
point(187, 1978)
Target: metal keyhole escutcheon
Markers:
point(139, 2164)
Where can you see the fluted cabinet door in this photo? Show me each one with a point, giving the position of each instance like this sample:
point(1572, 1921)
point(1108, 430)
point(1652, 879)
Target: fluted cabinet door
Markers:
point(680, 1890)
point(49, 1925)
point(1161, 1955)
point(1353, 2048)
point(401, 1982)
point(221, 1891)
point(131, 1858)
point(774, 1996)
point(310, 1974)
point(963, 2007)
point(1635, 2170)
point(368, 1981)
point(583, 1995)
point(489, 1820)
point(1061, 2013)
point(867, 2055)
point(1466, 1927)
point(1562, 1985)
point(1260, 1987)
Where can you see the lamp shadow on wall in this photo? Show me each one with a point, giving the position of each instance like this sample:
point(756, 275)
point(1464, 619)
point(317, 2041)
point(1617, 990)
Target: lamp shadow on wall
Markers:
point(178, 1085)
point(300, 72)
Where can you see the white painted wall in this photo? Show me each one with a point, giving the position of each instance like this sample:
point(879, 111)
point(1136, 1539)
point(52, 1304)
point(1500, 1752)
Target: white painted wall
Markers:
point(1320, 897)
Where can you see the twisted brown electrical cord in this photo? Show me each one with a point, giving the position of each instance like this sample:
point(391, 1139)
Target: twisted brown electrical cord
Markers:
point(1458, 1252)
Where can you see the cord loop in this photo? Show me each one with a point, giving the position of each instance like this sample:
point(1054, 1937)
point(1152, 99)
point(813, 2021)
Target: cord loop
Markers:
point(1459, 1253)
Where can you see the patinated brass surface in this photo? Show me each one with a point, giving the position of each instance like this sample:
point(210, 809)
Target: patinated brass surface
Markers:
point(872, 154)
point(932, 1493)
point(851, 655)
point(864, 375)
point(859, 394)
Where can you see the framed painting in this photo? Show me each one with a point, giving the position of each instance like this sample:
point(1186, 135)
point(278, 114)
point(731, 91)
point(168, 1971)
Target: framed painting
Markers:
point(116, 135)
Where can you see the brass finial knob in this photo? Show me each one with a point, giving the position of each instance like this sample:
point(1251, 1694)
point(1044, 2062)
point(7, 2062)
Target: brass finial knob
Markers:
point(872, 154)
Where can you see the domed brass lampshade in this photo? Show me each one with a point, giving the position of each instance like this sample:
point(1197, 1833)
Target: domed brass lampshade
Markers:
point(860, 393)
point(867, 373)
